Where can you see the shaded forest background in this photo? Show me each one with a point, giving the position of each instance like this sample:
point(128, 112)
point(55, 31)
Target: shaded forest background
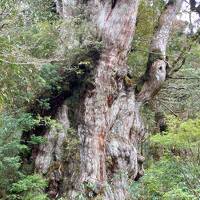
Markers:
point(40, 64)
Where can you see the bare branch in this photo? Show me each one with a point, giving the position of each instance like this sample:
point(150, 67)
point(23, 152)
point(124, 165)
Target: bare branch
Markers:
point(164, 104)
point(185, 78)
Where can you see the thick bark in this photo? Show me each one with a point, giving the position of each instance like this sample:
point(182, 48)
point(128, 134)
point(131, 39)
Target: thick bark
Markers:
point(114, 128)
point(103, 129)
point(49, 160)
point(110, 125)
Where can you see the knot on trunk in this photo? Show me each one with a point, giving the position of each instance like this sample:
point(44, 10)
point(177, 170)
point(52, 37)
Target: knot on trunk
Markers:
point(55, 175)
point(140, 161)
point(151, 82)
point(121, 149)
point(93, 189)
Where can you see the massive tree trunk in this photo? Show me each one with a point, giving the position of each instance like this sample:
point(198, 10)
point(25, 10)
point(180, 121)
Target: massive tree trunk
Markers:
point(109, 122)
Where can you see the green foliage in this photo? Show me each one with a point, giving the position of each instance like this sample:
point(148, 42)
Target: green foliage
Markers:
point(175, 175)
point(36, 52)
point(181, 91)
point(37, 140)
point(29, 188)
point(165, 180)
point(13, 182)
point(22, 42)
point(39, 40)
point(177, 194)
point(180, 135)
point(147, 14)
point(51, 78)
point(38, 10)
point(11, 128)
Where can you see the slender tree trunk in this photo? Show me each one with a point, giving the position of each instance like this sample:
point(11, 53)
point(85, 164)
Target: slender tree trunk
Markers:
point(110, 125)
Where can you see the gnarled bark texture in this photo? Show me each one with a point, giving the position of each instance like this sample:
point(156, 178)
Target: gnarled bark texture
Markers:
point(110, 125)
point(49, 160)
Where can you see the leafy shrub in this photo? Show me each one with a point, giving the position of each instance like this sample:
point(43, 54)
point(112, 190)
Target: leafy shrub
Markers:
point(175, 175)
point(29, 188)
point(180, 135)
point(11, 127)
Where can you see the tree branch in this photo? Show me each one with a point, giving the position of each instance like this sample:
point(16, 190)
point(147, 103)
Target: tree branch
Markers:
point(155, 75)
point(182, 56)
point(163, 104)
point(185, 78)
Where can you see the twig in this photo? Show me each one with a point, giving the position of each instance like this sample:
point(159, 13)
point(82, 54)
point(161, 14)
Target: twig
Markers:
point(168, 108)
point(40, 62)
point(185, 78)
